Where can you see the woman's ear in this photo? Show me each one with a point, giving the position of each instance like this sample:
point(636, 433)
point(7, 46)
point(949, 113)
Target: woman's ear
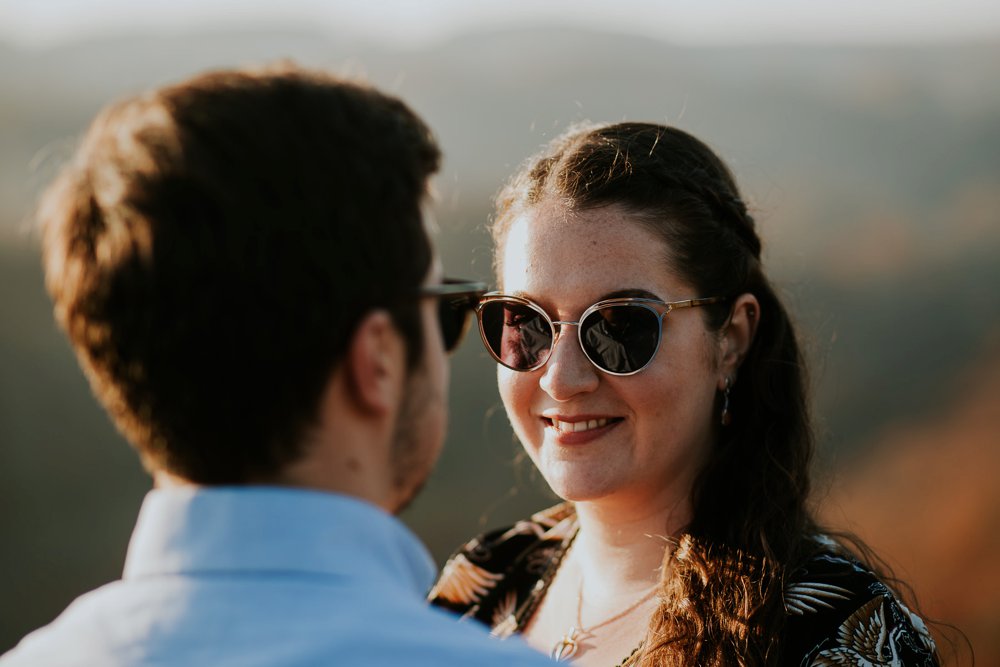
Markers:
point(375, 364)
point(737, 336)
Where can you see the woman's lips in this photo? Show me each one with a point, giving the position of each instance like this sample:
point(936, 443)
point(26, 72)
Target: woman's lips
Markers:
point(579, 430)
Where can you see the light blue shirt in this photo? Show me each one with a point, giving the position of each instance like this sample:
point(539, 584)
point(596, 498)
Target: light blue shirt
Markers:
point(254, 576)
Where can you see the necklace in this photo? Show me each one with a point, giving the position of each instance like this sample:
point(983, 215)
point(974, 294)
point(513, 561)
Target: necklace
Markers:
point(569, 643)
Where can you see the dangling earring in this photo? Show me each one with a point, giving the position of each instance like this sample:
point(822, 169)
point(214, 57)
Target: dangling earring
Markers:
point(727, 417)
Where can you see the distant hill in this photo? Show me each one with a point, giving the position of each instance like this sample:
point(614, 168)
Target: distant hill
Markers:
point(826, 140)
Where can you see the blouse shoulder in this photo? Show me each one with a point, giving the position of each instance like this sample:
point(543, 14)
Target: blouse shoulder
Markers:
point(490, 574)
point(841, 614)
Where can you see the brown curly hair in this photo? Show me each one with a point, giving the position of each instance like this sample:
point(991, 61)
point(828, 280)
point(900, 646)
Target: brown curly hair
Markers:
point(722, 592)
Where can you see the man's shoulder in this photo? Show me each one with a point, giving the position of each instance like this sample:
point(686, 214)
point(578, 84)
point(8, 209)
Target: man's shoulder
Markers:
point(442, 638)
point(264, 621)
point(68, 640)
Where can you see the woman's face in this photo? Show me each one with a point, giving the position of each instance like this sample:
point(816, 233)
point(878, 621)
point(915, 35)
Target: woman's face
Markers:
point(653, 429)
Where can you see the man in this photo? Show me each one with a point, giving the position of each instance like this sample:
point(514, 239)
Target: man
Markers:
point(241, 266)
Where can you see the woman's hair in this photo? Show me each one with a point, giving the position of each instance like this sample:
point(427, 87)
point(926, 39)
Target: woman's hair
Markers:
point(750, 525)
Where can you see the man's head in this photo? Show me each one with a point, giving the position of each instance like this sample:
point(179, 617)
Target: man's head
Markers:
point(214, 247)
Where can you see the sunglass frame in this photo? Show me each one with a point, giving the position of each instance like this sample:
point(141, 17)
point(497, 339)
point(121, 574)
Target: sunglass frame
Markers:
point(452, 290)
point(641, 302)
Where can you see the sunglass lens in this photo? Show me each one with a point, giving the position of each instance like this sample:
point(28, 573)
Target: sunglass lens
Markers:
point(621, 338)
point(453, 313)
point(518, 336)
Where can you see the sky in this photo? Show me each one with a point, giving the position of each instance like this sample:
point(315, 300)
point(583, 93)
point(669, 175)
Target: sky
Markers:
point(38, 24)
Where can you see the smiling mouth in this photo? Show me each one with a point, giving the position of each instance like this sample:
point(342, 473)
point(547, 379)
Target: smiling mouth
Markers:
point(579, 426)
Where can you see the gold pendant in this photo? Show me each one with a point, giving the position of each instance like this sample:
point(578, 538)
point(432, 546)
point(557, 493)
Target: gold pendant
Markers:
point(566, 647)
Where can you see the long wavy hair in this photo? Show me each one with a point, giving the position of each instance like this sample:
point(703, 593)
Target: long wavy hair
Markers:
point(722, 593)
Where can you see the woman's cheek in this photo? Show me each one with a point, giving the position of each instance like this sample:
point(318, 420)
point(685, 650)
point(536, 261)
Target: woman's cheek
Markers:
point(515, 392)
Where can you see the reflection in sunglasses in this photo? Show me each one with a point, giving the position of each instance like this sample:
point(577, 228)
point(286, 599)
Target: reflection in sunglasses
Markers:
point(525, 338)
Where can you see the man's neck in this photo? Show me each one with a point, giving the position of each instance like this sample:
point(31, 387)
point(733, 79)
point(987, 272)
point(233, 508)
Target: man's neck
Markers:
point(329, 463)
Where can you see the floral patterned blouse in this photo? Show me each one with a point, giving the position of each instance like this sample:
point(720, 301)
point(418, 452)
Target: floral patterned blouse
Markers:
point(839, 613)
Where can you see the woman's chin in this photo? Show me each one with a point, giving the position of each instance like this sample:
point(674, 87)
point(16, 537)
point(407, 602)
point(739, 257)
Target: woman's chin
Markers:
point(578, 488)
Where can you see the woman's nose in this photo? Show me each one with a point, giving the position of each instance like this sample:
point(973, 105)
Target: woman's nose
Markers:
point(568, 372)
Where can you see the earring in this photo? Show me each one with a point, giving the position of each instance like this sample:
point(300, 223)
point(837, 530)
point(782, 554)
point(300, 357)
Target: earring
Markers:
point(727, 417)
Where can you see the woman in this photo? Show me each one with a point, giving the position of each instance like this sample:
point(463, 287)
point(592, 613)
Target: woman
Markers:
point(654, 379)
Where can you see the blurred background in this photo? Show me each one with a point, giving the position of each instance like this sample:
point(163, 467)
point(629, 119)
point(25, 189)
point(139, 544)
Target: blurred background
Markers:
point(866, 138)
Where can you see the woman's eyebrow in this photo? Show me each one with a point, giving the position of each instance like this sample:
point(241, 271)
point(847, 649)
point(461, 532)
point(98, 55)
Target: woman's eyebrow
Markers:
point(630, 294)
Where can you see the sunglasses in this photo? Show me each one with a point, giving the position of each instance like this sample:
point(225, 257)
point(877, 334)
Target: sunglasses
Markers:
point(457, 300)
point(619, 336)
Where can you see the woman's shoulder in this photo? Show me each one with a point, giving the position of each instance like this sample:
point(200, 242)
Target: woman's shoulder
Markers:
point(841, 612)
point(491, 575)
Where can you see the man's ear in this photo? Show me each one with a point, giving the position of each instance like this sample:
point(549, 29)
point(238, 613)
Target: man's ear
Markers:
point(737, 336)
point(375, 364)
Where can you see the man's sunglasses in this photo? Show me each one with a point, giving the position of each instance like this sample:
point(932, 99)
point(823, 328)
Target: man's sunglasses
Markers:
point(619, 336)
point(457, 300)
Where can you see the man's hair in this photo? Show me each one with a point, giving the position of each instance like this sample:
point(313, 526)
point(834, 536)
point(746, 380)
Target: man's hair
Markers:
point(214, 244)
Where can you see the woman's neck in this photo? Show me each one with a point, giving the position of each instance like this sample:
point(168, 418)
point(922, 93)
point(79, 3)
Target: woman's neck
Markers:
point(620, 548)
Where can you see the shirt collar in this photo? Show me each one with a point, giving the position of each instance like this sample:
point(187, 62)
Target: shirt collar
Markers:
point(271, 529)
